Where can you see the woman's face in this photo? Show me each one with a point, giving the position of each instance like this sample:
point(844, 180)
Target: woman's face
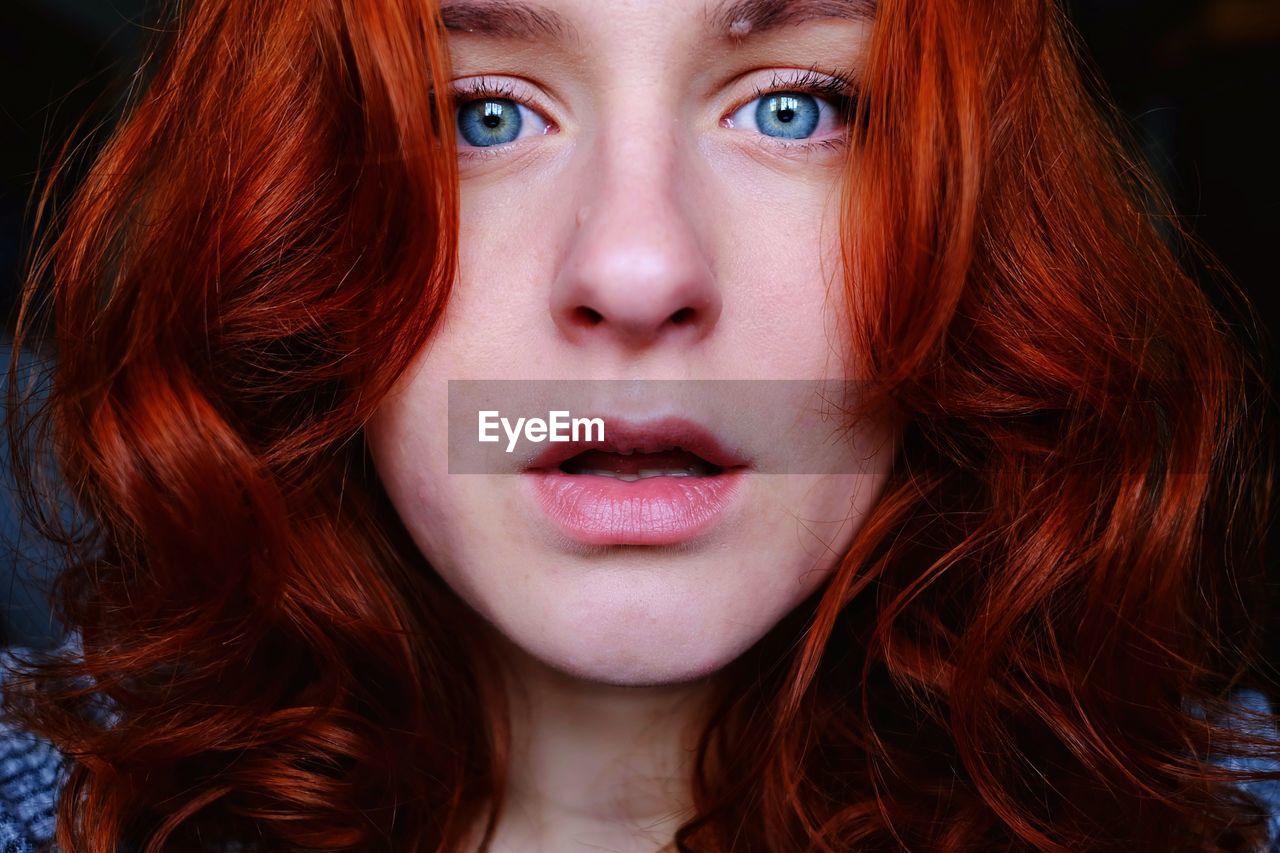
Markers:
point(649, 196)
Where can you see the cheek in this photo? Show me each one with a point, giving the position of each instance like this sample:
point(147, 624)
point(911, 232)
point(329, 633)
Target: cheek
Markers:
point(780, 249)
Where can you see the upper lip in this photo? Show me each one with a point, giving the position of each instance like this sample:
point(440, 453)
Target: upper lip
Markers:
point(623, 436)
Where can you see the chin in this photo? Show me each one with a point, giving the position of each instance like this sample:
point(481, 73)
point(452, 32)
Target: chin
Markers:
point(640, 626)
point(645, 659)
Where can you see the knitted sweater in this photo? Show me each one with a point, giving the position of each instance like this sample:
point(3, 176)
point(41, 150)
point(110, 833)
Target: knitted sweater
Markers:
point(30, 776)
point(29, 771)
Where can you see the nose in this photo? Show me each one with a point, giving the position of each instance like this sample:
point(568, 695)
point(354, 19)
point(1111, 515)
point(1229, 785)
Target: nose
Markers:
point(635, 273)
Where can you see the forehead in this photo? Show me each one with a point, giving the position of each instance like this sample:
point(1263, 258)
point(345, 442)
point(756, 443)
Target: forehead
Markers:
point(721, 19)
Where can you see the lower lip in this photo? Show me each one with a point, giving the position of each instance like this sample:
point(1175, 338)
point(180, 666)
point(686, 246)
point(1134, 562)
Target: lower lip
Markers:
point(655, 511)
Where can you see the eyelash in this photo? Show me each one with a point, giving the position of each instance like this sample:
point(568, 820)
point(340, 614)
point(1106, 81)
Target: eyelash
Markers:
point(836, 87)
point(474, 90)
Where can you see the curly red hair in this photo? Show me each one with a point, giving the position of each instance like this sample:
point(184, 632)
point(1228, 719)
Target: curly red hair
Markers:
point(1033, 643)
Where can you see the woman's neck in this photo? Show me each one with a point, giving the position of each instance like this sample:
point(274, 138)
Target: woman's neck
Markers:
point(597, 766)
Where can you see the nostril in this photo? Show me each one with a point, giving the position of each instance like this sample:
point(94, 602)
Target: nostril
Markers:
point(584, 316)
point(683, 317)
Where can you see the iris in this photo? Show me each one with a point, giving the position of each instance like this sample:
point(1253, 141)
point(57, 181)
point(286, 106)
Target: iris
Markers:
point(789, 115)
point(489, 121)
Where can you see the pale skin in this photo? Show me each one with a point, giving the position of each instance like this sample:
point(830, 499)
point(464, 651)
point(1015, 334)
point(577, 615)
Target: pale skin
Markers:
point(596, 766)
point(642, 188)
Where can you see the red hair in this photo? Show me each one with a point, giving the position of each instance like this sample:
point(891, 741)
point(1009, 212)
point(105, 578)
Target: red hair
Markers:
point(1034, 641)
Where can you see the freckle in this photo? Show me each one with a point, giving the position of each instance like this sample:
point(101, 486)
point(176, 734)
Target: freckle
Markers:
point(740, 27)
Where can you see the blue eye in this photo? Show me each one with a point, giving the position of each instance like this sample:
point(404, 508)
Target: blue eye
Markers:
point(791, 109)
point(788, 115)
point(490, 121)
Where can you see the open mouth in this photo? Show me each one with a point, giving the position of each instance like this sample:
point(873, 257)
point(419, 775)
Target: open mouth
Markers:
point(629, 452)
point(658, 483)
point(632, 465)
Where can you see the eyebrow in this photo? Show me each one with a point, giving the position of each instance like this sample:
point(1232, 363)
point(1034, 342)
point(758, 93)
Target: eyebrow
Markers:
point(728, 18)
point(740, 18)
point(505, 19)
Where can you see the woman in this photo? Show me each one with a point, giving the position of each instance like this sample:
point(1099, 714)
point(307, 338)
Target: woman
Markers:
point(1003, 591)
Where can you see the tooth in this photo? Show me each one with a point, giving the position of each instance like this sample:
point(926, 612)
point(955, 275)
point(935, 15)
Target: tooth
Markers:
point(645, 473)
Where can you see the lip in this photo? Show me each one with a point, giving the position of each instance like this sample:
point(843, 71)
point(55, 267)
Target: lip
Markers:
point(598, 510)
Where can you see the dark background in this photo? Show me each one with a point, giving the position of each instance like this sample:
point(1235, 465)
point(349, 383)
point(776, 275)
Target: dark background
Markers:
point(1198, 79)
